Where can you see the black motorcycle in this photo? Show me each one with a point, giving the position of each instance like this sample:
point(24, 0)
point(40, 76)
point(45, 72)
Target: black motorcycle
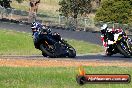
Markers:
point(52, 45)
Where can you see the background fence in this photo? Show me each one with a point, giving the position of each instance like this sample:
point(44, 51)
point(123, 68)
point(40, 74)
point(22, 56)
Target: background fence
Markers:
point(85, 24)
point(22, 16)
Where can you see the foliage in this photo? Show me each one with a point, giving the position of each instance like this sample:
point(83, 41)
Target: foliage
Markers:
point(5, 3)
point(115, 10)
point(19, 1)
point(72, 8)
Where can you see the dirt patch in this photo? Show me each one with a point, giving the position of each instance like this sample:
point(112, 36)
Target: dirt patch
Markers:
point(44, 62)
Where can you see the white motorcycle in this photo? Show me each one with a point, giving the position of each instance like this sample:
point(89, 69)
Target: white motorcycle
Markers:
point(118, 42)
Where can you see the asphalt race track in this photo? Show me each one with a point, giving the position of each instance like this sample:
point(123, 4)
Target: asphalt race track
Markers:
point(78, 35)
point(87, 36)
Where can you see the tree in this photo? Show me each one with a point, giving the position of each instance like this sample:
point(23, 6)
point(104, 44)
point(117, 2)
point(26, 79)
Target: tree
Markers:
point(73, 8)
point(115, 10)
point(6, 3)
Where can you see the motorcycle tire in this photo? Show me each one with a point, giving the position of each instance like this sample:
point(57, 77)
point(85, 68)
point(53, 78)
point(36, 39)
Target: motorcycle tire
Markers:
point(44, 54)
point(126, 52)
point(72, 52)
point(43, 49)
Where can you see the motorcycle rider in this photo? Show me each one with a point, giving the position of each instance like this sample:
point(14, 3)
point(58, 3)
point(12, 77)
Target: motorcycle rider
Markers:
point(107, 37)
point(39, 32)
point(35, 26)
point(103, 34)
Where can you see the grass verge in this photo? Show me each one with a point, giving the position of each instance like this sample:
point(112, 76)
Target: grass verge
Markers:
point(56, 77)
point(17, 43)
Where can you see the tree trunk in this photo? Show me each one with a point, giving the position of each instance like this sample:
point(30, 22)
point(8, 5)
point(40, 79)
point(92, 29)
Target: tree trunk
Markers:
point(75, 21)
point(75, 24)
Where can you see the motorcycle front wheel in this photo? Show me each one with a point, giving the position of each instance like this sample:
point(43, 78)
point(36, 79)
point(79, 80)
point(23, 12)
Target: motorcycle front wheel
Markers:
point(124, 50)
point(71, 51)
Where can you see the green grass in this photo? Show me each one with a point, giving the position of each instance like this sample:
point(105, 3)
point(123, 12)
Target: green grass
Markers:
point(17, 43)
point(51, 2)
point(48, 2)
point(85, 47)
point(55, 77)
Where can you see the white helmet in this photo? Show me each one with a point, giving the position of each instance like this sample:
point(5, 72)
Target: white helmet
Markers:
point(104, 26)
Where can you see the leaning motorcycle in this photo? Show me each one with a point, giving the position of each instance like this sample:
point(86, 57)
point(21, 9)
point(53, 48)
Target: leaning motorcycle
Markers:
point(60, 47)
point(118, 44)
